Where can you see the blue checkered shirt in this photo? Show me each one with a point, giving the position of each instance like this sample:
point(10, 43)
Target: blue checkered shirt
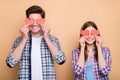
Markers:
point(46, 58)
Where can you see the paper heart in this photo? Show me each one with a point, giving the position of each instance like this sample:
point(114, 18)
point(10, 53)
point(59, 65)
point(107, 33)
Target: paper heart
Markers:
point(40, 21)
point(84, 32)
point(95, 32)
point(29, 21)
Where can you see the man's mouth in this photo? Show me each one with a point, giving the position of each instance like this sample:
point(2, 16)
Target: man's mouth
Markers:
point(35, 26)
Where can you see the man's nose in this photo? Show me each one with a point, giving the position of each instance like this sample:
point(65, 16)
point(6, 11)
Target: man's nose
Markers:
point(34, 22)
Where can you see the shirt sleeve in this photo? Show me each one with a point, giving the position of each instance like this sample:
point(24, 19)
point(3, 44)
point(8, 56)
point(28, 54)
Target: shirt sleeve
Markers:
point(77, 69)
point(60, 57)
point(10, 61)
point(107, 55)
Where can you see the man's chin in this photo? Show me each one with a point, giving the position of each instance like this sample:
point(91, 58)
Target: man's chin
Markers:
point(35, 32)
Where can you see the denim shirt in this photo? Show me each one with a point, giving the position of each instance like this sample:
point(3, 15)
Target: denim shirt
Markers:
point(90, 70)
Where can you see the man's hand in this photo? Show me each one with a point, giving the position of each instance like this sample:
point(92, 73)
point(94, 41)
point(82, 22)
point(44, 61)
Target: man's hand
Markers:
point(24, 31)
point(46, 31)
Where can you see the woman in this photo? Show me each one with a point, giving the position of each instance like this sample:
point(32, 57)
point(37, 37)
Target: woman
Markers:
point(91, 61)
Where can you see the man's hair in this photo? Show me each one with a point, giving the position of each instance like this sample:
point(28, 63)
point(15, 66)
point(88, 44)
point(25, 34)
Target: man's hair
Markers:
point(35, 9)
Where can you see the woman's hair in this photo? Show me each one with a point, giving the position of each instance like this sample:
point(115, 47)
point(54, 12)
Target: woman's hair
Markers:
point(35, 9)
point(86, 25)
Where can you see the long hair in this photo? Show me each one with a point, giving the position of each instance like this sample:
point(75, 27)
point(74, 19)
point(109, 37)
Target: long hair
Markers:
point(86, 25)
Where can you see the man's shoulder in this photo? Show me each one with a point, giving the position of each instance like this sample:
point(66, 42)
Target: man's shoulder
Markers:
point(18, 39)
point(53, 37)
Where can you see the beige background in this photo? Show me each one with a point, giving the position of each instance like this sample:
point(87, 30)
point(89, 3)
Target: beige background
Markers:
point(65, 18)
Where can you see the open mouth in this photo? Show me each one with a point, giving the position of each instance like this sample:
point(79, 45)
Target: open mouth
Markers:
point(90, 39)
point(35, 26)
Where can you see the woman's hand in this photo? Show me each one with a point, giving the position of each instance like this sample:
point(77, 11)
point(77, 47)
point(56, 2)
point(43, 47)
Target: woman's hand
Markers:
point(82, 42)
point(98, 41)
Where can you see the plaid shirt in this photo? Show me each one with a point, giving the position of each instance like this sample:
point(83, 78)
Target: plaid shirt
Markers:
point(100, 74)
point(46, 58)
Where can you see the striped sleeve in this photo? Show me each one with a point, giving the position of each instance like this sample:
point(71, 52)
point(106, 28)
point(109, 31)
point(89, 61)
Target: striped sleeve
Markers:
point(77, 69)
point(60, 58)
point(10, 60)
point(107, 55)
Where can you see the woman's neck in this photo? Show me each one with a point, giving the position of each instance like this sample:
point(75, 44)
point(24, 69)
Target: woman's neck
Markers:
point(90, 47)
point(90, 51)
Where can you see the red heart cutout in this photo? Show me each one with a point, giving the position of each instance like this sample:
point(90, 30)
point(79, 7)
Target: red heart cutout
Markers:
point(40, 21)
point(28, 21)
point(95, 32)
point(84, 32)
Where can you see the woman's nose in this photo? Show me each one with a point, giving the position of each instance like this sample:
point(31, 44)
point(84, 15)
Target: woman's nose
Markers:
point(90, 34)
point(34, 22)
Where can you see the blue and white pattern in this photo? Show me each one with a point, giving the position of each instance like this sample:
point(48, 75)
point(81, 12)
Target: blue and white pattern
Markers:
point(46, 58)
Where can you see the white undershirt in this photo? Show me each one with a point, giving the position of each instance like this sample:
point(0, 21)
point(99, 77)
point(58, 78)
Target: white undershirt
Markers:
point(36, 65)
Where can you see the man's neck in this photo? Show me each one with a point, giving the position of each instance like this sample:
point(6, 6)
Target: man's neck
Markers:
point(36, 35)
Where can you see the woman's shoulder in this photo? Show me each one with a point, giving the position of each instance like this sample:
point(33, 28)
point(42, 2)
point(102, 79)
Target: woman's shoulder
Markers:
point(105, 50)
point(75, 50)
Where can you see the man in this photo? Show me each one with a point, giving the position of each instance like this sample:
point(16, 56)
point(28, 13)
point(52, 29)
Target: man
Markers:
point(36, 49)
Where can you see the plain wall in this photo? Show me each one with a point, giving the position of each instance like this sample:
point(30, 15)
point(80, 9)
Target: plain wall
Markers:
point(65, 18)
